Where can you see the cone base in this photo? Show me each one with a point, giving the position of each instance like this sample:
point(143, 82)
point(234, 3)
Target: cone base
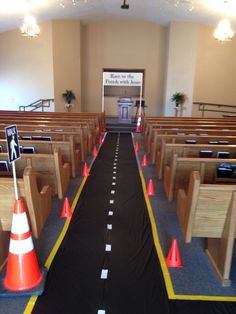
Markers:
point(38, 290)
point(173, 265)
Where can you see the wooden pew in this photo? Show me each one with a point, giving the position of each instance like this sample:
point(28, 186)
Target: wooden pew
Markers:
point(98, 117)
point(37, 202)
point(193, 132)
point(82, 139)
point(183, 120)
point(49, 167)
point(94, 122)
point(182, 138)
point(4, 246)
point(151, 128)
point(68, 150)
point(56, 136)
point(209, 211)
point(187, 150)
point(176, 174)
point(89, 132)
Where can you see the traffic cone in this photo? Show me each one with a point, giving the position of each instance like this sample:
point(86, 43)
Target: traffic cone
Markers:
point(173, 258)
point(136, 147)
point(138, 126)
point(144, 161)
point(22, 268)
point(95, 153)
point(85, 170)
point(66, 211)
point(138, 129)
point(150, 188)
point(100, 140)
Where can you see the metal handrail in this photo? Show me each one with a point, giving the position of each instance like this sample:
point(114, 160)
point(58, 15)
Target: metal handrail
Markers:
point(202, 106)
point(41, 103)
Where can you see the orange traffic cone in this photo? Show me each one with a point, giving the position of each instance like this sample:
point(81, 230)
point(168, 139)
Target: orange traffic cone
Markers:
point(85, 170)
point(173, 258)
point(144, 161)
point(150, 188)
point(95, 153)
point(138, 129)
point(100, 140)
point(66, 211)
point(22, 268)
point(136, 147)
point(138, 126)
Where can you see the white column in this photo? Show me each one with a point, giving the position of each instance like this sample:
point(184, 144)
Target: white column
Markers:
point(181, 62)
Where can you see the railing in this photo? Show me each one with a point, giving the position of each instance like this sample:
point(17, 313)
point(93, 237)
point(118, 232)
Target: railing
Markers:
point(38, 104)
point(218, 108)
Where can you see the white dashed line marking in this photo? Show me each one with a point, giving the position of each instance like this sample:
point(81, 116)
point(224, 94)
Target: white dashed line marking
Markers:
point(108, 248)
point(104, 273)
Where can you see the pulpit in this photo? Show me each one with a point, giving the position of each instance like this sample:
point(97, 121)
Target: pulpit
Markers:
point(125, 109)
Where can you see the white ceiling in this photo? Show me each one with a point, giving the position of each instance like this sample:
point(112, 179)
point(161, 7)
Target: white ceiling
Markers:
point(157, 11)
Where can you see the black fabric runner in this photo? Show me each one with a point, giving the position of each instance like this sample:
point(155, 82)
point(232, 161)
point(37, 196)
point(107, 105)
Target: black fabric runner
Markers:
point(134, 283)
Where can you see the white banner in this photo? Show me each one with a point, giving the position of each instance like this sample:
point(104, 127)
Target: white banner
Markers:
point(122, 79)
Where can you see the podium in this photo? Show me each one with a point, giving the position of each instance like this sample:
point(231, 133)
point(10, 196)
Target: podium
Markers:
point(124, 109)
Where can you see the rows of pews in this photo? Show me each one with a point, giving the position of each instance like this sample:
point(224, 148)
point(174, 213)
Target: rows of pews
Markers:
point(196, 160)
point(52, 145)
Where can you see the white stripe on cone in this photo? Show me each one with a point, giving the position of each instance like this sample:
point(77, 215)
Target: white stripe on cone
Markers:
point(19, 223)
point(20, 247)
point(139, 121)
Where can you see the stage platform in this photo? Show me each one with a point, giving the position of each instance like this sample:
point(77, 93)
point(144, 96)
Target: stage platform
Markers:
point(113, 125)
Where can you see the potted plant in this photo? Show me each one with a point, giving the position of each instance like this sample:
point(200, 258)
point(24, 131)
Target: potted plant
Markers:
point(179, 98)
point(68, 96)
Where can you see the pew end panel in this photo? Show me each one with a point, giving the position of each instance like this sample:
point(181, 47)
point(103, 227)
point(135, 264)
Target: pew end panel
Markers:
point(62, 171)
point(209, 211)
point(37, 203)
point(4, 246)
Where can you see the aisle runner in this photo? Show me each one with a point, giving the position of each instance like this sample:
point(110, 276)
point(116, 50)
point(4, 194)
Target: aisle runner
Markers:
point(107, 263)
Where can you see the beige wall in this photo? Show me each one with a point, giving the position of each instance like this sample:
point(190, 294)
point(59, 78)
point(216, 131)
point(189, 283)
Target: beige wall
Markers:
point(215, 73)
point(26, 70)
point(124, 45)
point(66, 61)
point(67, 55)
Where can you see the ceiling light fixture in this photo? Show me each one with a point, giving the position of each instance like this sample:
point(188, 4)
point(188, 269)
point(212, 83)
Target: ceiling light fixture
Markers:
point(73, 2)
point(124, 5)
point(223, 32)
point(188, 3)
point(30, 27)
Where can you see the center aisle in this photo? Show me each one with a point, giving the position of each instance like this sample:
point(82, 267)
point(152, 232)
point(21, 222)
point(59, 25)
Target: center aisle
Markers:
point(107, 263)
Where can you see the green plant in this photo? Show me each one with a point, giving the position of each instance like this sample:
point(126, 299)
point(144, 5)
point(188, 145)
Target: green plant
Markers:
point(68, 96)
point(179, 98)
